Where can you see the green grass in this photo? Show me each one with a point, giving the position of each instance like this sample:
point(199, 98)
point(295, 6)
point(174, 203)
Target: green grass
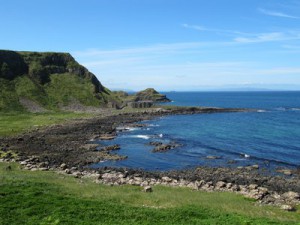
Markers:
point(14, 123)
point(49, 198)
point(65, 88)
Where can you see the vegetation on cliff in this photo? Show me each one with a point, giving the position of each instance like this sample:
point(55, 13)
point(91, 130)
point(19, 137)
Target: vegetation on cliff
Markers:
point(50, 80)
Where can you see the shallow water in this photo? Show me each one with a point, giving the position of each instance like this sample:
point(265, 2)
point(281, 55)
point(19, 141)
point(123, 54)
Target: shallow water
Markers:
point(269, 137)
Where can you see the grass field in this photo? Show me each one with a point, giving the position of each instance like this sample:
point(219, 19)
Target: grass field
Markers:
point(48, 198)
point(14, 123)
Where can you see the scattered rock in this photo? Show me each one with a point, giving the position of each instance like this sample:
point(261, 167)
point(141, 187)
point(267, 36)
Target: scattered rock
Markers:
point(220, 185)
point(287, 208)
point(292, 196)
point(111, 148)
point(90, 147)
point(63, 166)
point(166, 179)
point(212, 157)
point(253, 186)
point(107, 137)
point(155, 143)
point(285, 172)
point(160, 147)
point(147, 189)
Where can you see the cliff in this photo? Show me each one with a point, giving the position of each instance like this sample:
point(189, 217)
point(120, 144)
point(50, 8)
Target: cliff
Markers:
point(48, 80)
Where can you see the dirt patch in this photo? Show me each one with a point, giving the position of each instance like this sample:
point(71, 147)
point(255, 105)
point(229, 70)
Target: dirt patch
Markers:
point(31, 106)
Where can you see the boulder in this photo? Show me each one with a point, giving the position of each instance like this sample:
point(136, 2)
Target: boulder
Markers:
point(147, 189)
point(291, 196)
point(63, 166)
point(166, 179)
point(287, 208)
point(253, 186)
point(212, 157)
point(220, 185)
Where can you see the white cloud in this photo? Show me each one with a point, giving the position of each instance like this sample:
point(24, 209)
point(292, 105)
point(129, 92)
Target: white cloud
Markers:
point(117, 61)
point(268, 37)
point(277, 14)
point(281, 71)
point(246, 37)
point(202, 28)
point(195, 27)
point(154, 49)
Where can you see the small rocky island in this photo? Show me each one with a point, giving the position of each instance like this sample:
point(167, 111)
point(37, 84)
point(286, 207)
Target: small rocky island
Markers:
point(141, 99)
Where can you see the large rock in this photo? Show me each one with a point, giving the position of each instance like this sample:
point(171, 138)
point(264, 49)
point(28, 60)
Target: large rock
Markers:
point(291, 196)
point(161, 147)
point(147, 189)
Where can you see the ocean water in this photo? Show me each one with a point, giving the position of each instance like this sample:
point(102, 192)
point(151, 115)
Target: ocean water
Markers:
point(269, 136)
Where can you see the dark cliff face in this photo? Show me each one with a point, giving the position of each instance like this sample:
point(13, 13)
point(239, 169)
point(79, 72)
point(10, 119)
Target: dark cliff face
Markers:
point(39, 66)
point(12, 65)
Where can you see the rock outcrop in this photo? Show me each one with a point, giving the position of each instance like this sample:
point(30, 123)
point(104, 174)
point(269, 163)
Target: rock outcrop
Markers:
point(143, 99)
point(151, 94)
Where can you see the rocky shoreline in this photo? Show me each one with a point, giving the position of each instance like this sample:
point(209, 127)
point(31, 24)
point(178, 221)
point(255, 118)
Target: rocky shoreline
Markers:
point(67, 148)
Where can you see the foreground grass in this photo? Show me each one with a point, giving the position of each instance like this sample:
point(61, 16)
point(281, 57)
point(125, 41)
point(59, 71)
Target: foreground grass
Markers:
point(48, 198)
point(14, 123)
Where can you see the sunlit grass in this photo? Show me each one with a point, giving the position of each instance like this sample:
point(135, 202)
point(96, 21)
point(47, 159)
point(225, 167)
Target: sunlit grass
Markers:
point(51, 198)
point(14, 123)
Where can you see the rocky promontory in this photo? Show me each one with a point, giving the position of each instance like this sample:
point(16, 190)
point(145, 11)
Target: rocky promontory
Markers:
point(142, 99)
point(151, 94)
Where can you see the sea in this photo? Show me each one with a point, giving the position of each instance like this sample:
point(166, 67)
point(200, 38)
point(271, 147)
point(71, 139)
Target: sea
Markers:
point(268, 136)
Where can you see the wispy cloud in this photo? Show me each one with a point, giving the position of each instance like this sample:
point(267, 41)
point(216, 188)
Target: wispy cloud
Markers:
point(156, 49)
point(246, 37)
point(266, 37)
point(276, 13)
point(203, 28)
point(281, 71)
point(269, 37)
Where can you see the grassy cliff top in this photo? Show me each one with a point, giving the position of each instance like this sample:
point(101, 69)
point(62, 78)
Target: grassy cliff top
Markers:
point(47, 80)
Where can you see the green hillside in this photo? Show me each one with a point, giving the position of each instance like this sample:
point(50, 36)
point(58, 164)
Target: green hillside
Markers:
point(47, 80)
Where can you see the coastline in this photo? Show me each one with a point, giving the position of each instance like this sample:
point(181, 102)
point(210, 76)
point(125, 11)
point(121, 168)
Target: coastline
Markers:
point(67, 148)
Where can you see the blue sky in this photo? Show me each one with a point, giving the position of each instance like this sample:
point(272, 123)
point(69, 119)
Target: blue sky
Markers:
point(165, 44)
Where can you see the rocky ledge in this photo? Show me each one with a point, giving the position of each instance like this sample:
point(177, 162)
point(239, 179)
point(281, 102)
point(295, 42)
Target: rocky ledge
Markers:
point(286, 200)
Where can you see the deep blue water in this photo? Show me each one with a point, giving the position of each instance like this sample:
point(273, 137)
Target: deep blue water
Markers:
point(270, 135)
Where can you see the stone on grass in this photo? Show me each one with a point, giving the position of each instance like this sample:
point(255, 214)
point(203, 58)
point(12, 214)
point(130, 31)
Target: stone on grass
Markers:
point(63, 166)
point(147, 189)
point(287, 208)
